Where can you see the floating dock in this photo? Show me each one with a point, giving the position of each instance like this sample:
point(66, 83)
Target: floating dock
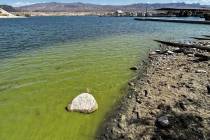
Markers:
point(174, 20)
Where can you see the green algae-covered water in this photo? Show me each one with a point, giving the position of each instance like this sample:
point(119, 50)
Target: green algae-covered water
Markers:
point(46, 61)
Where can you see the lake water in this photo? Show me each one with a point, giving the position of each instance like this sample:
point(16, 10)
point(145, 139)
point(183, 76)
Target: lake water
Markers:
point(46, 61)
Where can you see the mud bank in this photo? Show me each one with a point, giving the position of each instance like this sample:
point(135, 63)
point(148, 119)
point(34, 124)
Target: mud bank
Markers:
point(169, 99)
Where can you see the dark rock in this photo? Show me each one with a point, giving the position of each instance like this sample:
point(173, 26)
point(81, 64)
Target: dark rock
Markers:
point(163, 122)
point(178, 50)
point(135, 117)
point(129, 96)
point(181, 105)
point(138, 100)
point(146, 93)
point(134, 68)
point(148, 81)
point(208, 88)
point(163, 107)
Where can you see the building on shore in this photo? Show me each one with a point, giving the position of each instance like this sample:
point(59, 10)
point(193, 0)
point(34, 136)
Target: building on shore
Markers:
point(119, 13)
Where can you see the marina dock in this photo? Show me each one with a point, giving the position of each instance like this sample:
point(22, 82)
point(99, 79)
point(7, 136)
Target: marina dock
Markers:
point(173, 20)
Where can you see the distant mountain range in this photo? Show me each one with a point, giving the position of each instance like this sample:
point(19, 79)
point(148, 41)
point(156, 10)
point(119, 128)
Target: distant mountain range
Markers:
point(85, 7)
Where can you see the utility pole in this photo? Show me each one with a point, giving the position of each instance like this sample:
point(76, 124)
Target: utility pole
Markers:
point(147, 5)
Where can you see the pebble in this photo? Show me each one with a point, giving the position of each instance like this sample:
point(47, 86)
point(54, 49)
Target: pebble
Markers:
point(152, 53)
point(170, 52)
point(208, 88)
point(131, 84)
point(122, 123)
point(163, 121)
point(182, 106)
point(201, 71)
point(190, 55)
point(145, 93)
point(134, 68)
point(157, 51)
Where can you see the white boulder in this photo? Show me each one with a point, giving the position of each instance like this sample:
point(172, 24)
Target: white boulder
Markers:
point(84, 103)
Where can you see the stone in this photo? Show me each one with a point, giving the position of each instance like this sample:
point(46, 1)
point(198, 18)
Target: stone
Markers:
point(182, 106)
point(84, 103)
point(178, 50)
point(134, 68)
point(190, 55)
point(201, 71)
point(152, 53)
point(131, 84)
point(122, 122)
point(157, 51)
point(146, 93)
point(163, 121)
point(208, 88)
point(170, 52)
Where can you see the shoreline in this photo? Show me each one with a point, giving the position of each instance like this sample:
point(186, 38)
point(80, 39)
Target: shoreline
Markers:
point(11, 17)
point(167, 99)
point(173, 21)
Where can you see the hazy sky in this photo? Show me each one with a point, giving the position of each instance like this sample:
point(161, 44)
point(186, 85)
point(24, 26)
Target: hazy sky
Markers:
point(114, 2)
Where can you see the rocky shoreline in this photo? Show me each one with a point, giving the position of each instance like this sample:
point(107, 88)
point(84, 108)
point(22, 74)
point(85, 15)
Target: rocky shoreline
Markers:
point(169, 99)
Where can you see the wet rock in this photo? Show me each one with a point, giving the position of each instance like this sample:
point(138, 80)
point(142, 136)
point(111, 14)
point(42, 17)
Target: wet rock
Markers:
point(152, 53)
point(131, 84)
point(84, 103)
point(201, 71)
point(134, 68)
point(157, 51)
point(163, 121)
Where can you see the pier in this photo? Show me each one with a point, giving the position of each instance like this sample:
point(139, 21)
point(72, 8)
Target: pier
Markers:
point(173, 20)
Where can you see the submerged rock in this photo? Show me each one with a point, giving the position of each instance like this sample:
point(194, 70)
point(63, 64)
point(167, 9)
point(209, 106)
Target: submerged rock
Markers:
point(84, 103)
point(134, 68)
point(152, 53)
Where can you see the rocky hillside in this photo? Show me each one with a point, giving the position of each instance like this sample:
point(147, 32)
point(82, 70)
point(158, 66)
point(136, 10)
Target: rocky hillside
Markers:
point(82, 7)
point(8, 8)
